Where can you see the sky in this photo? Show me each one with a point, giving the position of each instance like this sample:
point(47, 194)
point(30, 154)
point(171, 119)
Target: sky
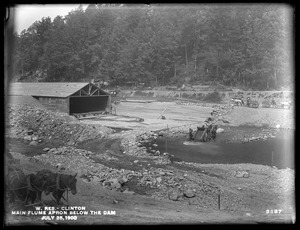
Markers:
point(26, 15)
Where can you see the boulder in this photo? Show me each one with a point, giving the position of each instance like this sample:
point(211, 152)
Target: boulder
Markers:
point(46, 149)
point(128, 192)
point(29, 132)
point(115, 183)
point(189, 193)
point(58, 151)
point(52, 150)
point(34, 138)
point(122, 180)
point(33, 143)
point(70, 143)
point(241, 174)
point(83, 172)
point(27, 138)
point(96, 179)
point(158, 179)
point(173, 195)
point(220, 130)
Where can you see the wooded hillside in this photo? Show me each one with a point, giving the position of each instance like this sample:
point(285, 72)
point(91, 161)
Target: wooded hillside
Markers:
point(248, 46)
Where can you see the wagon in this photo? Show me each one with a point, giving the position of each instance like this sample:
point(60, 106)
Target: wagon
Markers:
point(252, 104)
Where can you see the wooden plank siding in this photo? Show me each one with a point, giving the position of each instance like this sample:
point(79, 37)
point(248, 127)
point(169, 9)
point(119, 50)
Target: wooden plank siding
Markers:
point(55, 103)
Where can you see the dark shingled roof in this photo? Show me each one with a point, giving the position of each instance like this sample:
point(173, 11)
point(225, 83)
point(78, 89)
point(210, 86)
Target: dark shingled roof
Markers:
point(49, 89)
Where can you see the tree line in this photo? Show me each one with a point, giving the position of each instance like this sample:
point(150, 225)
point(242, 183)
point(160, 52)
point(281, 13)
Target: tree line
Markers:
point(246, 45)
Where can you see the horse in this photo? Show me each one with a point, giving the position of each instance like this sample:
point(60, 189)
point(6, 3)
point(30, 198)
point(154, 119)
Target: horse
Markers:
point(253, 104)
point(237, 101)
point(213, 132)
point(58, 184)
point(36, 185)
point(191, 135)
point(47, 175)
point(206, 134)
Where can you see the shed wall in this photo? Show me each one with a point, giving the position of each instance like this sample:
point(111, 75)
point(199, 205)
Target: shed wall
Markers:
point(55, 103)
point(89, 104)
point(22, 100)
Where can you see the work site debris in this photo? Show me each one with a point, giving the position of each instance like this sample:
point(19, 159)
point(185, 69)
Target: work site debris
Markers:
point(240, 174)
point(78, 160)
point(37, 124)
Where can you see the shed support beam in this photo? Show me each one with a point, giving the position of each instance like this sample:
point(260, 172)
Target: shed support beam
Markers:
point(95, 92)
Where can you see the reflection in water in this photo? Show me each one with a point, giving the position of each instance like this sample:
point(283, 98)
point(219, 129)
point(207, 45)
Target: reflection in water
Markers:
point(204, 148)
point(277, 151)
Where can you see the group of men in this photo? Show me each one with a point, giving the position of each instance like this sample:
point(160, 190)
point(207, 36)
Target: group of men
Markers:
point(209, 133)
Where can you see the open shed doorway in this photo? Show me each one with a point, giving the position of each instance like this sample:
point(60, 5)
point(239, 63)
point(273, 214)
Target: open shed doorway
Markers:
point(87, 104)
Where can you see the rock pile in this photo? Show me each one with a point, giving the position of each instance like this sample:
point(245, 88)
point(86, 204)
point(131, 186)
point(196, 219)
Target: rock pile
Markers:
point(37, 124)
point(78, 160)
point(134, 144)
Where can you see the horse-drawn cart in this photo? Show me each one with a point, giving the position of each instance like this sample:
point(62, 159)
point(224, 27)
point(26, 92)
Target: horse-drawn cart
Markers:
point(28, 188)
point(22, 187)
point(252, 104)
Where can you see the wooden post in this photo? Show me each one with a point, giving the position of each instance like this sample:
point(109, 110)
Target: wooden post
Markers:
point(162, 113)
point(186, 60)
point(219, 202)
point(167, 141)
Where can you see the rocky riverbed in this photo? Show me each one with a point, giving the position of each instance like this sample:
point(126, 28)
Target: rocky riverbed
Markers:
point(120, 162)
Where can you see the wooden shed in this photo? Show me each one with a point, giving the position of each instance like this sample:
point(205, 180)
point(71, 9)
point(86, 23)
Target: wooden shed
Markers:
point(68, 97)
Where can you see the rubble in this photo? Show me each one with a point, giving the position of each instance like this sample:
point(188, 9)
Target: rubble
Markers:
point(78, 160)
point(41, 125)
point(35, 123)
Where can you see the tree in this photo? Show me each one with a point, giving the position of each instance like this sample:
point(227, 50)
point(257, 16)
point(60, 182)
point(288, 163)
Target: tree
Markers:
point(237, 45)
